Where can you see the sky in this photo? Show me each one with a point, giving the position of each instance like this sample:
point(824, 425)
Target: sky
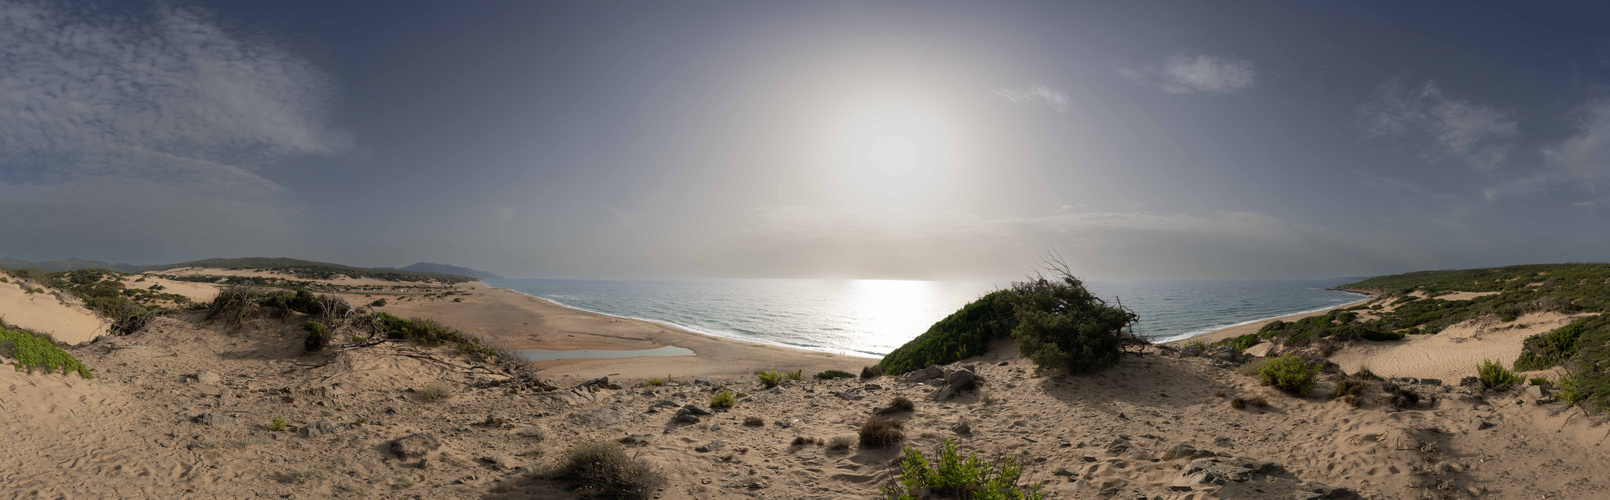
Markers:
point(832, 139)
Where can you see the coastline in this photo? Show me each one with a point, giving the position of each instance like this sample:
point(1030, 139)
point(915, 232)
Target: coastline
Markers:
point(511, 319)
point(1253, 326)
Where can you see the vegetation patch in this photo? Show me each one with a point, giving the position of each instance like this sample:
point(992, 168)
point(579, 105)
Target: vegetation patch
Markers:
point(881, 432)
point(833, 375)
point(36, 352)
point(723, 400)
point(770, 378)
point(1289, 373)
point(1547, 350)
point(603, 468)
point(950, 475)
point(1493, 375)
point(1055, 322)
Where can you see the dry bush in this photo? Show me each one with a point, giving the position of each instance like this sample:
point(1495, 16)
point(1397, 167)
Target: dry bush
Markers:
point(880, 432)
point(754, 422)
point(840, 442)
point(434, 393)
point(604, 469)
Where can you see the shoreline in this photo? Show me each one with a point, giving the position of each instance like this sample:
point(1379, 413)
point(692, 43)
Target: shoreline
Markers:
point(1253, 326)
point(511, 319)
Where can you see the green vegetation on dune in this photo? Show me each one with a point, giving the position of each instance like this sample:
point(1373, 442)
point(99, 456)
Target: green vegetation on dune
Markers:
point(37, 352)
point(1055, 322)
point(308, 270)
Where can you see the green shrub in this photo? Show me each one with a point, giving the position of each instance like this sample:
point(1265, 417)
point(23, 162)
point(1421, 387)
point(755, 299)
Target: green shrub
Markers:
point(36, 352)
point(880, 432)
point(1542, 382)
point(795, 375)
point(722, 400)
point(1238, 403)
point(378, 303)
point(954, 476)
point(833, 375)
point(604, 469)
point(318, 336)
point(1546, 350)
point(1062, 326)
point(770, 378)
point(1289, 373)
point(656, 381)
point(963, 334)
point(429, 332)
point(1572, 390)
point(278, 424)
point(1493, 375)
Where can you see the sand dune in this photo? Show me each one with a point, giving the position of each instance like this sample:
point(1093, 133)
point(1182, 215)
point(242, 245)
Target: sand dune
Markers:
point(1453, 353)
point(52, 312)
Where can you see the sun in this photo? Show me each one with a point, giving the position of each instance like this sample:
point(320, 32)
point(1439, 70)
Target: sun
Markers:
point(893, 155)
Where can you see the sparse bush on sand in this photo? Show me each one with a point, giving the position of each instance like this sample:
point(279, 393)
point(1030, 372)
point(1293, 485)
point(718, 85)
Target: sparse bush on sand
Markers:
point(1289, 373)
point(881, 432)
point(1493, 375)
point(278, 424)
point(770, 378)
point(656, 381)
point(833, 375)
point(871, 372)
point(900, 404)
point(318, 336)
point(603, 469)
point(840, 442)
point(754, 422)
point(951, 475)
point(806, 441)
point(378, 303)
point(795, 375)
point(722, 400)
point(433, 393)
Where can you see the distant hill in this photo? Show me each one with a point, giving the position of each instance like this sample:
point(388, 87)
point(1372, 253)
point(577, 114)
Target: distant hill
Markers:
point(426, 267)
point(68, 264)
point(307, 269)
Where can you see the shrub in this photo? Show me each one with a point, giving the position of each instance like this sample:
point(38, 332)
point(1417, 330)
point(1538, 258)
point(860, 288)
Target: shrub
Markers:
point(804, 441)
point(871, 372)
point(1347, 387)
point(1550, 349)
point(770, 378)
point(603, 468)
point(1289, 373)
point(840, 442)
point(753, 421)
point(36, 352)
point(1364, 373)
point(1260, 402)
point(1542, 381)
point(378, 303)
point(428, 332)
point(880, 432)
point(1493, 375)
point(795, 375)
point(963, 334)
point(953, 476)
point(900, 404)
point(722, 400)
point(433, 393)
point(1572, 390)
point(833, 375)
point(1062, 326)
point(656, 381)
point(278, 424)
point(1238, 403)
point(318, 336)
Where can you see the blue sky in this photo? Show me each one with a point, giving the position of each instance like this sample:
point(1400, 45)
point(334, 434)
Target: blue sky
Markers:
point(926, 140)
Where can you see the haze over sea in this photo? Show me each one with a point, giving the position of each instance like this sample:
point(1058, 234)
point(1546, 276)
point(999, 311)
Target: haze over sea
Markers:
point(873, 317)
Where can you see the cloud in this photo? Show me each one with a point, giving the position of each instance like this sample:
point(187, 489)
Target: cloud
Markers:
point(812, 241)
point(1184, 74)
point(1051, 97)
point(1454, 129)
point(136, 116)
point(1523, 187)
point(1587, 154)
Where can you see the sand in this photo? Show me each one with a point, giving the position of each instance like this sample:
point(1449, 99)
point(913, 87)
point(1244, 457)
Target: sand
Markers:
point(1452, 353)
point(53, 312)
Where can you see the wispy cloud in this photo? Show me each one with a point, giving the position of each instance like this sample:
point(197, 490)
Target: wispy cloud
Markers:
point(1586, 155)
point(169, 106)
point(1048, 96)
point(1453, 129)
point(1185, 74)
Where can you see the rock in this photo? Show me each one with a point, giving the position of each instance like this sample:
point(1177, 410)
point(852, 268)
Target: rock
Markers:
point(319, 428)
point(1183, 450)
point(214, 419)
point(1217, 470)
point(603, 416)
point(701, 383)
point(1222, 353)
point(537, 432)
point(785, 423)
point(699, 410)
point(962, 428)
point(499, 461)
point(710, 446)
point(414, 446)
point(634, 440)
point(1119, 446)
point(207, 377)
point(1088, 458)
point(1179, 487)
point(923, 375)
point(664, 403)
point(1191, 351)
point(1223, 442)
point(1469, 382)
point(955, 382)
point(1317, 491)
point(1479, 424)
point(1003, 363)
point(715, 426)
point(598, 384)
point(685, 416)
point(1538, 391)
point(1430, 381)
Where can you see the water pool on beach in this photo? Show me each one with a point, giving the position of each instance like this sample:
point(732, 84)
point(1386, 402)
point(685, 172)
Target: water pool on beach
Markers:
point(873, 317)
point(550, 355)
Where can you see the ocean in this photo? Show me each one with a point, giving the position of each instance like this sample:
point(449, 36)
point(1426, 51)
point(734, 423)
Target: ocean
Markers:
point(873, 317)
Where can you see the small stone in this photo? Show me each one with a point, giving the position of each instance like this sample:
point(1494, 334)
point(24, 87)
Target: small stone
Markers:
point(785, 422)
point(686, 417)
point(207, 377)
point(698, 410)
point(1480, 424)
point(1003, 363)
point(1088, 458)
point(214, 419)
point(415, 445)
point(715, 426)
point(537, 432)
point(710, 446)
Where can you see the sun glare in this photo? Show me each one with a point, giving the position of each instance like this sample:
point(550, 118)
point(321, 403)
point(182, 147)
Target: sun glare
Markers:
point(892, 155)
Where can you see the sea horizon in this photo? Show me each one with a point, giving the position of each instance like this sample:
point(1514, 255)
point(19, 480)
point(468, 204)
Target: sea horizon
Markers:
point(872, 317)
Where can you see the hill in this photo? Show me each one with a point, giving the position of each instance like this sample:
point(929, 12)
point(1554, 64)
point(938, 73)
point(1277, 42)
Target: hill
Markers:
point(307, 269)
point(426, 267)
point(68, 264)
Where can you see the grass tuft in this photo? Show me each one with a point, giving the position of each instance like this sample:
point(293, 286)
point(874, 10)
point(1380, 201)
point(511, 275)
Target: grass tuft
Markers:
point(1289, 373)
point(770, 378)
point(602, 468)
point(1493, 375)
point(434, 393)
point(881, 432)
point(723, 400)
point(951, 475)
